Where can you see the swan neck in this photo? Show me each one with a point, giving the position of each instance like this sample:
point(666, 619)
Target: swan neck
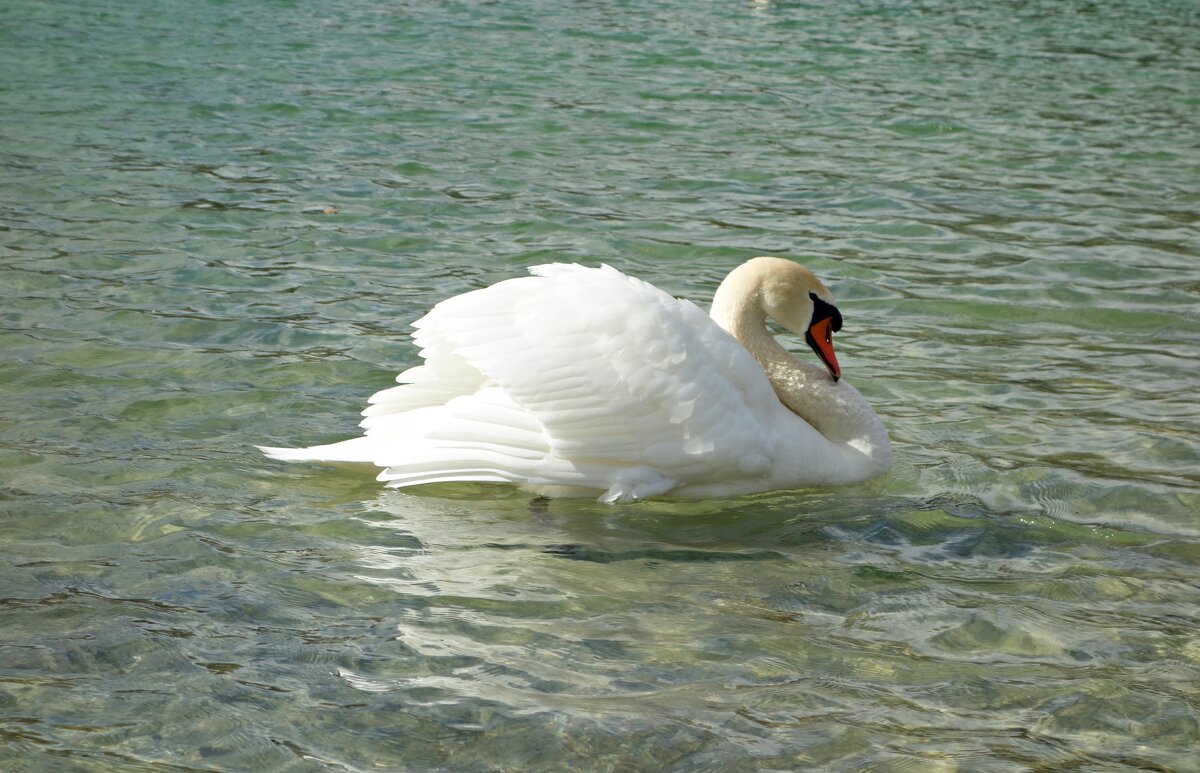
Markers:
point(738, 306)
point(836, 410)
point(739, 309)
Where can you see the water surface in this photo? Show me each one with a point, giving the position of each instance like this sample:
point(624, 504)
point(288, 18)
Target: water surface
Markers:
point(217, 220)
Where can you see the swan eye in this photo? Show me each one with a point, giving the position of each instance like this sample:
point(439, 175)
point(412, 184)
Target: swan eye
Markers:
point(823, 310)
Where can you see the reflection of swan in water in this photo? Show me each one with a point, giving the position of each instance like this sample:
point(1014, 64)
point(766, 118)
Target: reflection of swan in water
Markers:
point(485, 605)
point(578, 379)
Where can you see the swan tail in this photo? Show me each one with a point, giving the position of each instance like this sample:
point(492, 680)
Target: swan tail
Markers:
point(483, 465)
point(470, 471)
point(359, 450)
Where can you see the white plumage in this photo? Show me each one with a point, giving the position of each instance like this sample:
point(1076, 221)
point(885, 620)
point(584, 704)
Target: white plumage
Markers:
point(581, 379)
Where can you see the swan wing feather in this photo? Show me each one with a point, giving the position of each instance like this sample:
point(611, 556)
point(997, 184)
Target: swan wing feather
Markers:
point(568, 377)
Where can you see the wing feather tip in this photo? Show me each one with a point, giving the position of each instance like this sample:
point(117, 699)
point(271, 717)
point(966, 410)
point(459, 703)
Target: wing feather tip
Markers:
point(282, 454)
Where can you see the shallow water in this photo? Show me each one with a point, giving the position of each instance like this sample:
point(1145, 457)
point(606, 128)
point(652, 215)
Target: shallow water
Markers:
point(218, 219)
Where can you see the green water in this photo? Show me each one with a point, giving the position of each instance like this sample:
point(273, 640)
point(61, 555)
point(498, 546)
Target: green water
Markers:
point(1003, 198)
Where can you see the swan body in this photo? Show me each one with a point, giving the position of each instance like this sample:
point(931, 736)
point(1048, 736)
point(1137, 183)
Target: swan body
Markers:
point(576, 380)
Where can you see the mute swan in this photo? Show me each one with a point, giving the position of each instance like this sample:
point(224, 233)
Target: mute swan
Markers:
point(577, 380)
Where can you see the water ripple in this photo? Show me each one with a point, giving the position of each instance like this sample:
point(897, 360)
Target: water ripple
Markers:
point(218, 223)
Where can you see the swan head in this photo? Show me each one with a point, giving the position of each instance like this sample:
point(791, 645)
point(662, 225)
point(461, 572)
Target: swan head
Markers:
point(793, 296)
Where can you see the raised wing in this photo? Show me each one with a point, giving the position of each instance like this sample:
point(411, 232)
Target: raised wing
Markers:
point(574, 375)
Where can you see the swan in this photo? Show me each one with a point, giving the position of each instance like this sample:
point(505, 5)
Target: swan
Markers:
point(578, 380)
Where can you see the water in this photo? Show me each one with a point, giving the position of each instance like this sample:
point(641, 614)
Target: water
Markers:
point(218, 219)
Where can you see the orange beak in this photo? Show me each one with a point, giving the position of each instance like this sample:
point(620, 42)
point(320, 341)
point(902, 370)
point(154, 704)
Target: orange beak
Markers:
point(820, 338)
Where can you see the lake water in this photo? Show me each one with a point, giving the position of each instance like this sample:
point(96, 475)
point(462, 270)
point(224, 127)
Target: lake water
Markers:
point(217, 220)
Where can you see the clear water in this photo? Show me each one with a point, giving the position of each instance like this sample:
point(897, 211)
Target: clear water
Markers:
point(1003, 197)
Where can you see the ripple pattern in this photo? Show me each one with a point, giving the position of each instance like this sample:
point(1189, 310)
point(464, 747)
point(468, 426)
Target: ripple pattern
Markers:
point(217, 221)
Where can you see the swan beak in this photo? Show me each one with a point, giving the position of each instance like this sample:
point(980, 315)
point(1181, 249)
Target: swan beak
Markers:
point(820, 338)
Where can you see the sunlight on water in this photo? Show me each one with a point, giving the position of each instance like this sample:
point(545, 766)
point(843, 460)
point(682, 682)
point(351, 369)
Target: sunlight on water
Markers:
point(218, 221)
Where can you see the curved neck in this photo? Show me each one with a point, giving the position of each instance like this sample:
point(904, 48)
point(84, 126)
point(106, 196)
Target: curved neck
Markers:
point(835, 409)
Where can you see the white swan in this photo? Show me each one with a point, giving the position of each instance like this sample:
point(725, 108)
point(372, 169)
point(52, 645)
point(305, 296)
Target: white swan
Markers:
point(579, 379)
